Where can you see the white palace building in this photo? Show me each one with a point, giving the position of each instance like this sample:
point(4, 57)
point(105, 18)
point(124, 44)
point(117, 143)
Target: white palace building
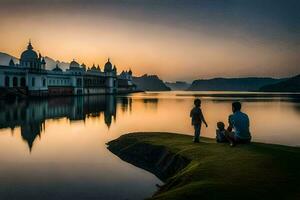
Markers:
point(31, 78)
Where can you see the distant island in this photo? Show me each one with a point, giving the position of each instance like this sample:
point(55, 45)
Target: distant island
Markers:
point(150, 83)
point(288, 85)
point(232, 84)
point(178, 85)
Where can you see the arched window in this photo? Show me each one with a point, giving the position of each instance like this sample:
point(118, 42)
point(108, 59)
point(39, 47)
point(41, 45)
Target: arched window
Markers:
point(15, 82)
point(33, 82)
point(6, 81)
point(23, 82)
point(44, 82)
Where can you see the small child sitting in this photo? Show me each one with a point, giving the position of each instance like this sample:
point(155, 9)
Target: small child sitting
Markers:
point(220, 132)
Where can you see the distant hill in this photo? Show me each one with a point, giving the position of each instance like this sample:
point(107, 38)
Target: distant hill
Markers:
point(178, 85)
point(5, 58)
point(232, 84)
point(288, 85)
point(50, 63)
point(150, 83)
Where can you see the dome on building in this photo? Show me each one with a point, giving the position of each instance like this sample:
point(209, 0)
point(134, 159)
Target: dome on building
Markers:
point(93, 67)
point(108, 66)
point(74, 64)
point(29, 54)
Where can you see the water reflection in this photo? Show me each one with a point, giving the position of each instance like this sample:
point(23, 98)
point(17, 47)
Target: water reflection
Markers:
point(152, 112)
point(30, 115)
point(67, 138)
point(126, 104)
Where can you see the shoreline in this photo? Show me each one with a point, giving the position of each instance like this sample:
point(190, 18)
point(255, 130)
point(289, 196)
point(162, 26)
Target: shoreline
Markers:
point(211, 171)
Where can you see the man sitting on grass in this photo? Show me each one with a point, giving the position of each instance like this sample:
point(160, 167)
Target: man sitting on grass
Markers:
point(238, 129)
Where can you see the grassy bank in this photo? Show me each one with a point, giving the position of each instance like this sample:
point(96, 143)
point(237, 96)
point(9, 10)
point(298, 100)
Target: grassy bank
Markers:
point(213, 171)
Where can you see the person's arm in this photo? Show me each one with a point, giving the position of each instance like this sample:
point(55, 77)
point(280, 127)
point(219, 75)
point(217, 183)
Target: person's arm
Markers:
point(248, 121)
point(230, 124)
point(202, 118)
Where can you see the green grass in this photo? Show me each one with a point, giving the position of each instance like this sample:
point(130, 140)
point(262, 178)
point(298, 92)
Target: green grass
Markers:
point(217, 171)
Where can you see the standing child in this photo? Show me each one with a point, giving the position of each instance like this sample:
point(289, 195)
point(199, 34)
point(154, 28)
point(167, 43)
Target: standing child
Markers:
point(197, 119)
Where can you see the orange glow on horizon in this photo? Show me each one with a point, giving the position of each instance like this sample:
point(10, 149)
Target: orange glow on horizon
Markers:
point(170, 52)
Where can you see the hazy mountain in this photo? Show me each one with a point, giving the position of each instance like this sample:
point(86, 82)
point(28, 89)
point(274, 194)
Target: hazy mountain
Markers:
point(51, 63)
point(150, 83)
point(232, 84)
point(178, 85)
point(288, 85)
point(5, 58)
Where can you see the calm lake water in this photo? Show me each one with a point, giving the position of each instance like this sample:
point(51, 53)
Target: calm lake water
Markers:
point(55, 148)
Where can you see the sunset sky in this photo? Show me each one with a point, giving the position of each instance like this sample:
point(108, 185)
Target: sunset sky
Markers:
point(175, 39)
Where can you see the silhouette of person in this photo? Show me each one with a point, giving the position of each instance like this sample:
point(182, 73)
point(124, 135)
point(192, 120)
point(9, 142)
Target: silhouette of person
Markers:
point(238, 129)
point(197, 119)
point(221, 133)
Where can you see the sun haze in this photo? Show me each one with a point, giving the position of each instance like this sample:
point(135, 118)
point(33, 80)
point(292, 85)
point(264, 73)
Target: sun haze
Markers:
point(177, 40)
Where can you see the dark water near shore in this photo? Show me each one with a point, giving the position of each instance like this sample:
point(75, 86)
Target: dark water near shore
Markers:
point(55, 148)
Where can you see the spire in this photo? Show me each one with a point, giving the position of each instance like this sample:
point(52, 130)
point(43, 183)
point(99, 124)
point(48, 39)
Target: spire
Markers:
point(11, 63)
point(83, 66)
point(29, 47)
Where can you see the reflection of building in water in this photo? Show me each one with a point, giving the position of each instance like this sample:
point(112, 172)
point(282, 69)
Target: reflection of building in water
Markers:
point(31, 115)
point(29, 133)
point(151, 102)
point(110, 112)
point(126, 104)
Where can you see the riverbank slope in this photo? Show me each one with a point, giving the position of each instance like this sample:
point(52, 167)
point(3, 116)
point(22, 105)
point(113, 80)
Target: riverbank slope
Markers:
point(212, 171)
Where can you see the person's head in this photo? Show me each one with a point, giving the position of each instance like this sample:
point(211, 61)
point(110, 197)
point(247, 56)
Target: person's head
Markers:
point(221, 126)
point(236, 106)
point(197, 102)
